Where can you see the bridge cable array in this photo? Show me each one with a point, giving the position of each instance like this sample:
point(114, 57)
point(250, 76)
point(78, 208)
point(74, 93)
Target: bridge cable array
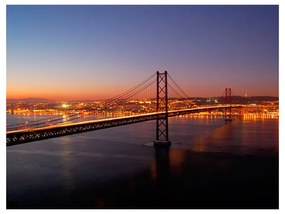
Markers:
point(141, 90)
point(178, 87)
point(134, 90)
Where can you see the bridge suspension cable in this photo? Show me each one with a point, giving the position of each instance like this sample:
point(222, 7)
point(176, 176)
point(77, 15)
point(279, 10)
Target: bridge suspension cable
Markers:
point(178, 87)
point(179, 95)
point(140, 90)
point(131, 90)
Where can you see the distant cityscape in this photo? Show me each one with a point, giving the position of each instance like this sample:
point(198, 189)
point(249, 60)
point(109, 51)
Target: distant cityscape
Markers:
point(254, 107)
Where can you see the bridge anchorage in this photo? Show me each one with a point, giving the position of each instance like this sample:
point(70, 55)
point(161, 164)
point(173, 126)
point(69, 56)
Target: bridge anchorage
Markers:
point(162, 138)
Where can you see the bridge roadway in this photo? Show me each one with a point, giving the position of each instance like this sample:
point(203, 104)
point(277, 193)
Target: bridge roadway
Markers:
point(35, 134)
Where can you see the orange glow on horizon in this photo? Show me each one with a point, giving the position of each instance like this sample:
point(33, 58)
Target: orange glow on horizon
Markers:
point(61, 95)
point(63, 91)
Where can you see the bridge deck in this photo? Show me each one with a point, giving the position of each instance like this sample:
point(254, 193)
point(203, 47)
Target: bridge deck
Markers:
point(35, 134)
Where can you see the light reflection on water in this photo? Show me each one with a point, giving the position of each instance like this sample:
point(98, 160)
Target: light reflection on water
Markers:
point(241, 137)
point(60, 168)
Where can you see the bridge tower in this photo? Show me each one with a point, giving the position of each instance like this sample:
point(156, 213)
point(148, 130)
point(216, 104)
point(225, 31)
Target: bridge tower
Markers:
point(228, 100)
point(162, 138)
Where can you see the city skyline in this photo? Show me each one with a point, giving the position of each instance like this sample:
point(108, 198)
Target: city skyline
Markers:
point(93, 52)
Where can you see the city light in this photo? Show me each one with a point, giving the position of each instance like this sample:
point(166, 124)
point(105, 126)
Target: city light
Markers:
point(64, 105)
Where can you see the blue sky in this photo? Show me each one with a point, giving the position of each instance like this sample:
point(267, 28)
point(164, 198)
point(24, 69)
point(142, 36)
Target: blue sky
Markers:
point(99, 51)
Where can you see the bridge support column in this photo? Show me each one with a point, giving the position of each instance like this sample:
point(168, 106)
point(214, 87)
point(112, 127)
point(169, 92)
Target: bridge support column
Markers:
point(162, 138)
point(228, 100)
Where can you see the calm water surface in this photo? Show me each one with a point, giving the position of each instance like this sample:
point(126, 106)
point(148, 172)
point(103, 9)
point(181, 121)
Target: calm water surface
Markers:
point(118, 167)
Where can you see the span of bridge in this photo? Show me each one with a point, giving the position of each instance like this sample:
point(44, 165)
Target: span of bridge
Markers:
point(35, 134)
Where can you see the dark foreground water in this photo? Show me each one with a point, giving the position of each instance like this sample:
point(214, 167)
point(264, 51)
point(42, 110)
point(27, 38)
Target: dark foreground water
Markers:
point(209, 165)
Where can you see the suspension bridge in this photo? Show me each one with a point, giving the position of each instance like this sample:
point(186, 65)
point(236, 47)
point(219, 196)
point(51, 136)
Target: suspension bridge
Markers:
point(54, 126)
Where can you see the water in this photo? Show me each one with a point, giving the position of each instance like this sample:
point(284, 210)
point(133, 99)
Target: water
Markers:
point(117, 167)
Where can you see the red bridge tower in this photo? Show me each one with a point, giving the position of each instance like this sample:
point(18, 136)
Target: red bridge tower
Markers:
point(162, 106)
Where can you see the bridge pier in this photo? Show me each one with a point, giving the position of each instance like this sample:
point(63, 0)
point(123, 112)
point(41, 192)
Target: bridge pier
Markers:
point(161, 143)
point(162, 138)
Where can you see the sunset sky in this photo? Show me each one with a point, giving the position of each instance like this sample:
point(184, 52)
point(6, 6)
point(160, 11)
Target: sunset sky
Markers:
point(90, 52)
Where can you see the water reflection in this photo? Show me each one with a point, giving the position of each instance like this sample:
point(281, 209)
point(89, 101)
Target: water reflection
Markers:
point(239, 137)
point(167, 162)
point(160, 168)
point(68, 178)
point(111, 168)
